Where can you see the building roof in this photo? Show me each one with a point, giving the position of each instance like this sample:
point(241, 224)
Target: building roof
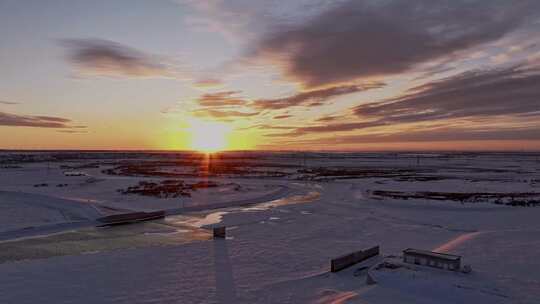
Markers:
point(438, 255)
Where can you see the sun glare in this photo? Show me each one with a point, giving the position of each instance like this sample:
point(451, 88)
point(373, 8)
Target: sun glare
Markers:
point(209, 136)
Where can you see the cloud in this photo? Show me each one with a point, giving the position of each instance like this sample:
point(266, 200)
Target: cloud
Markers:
point(284, 116)
point(362, 39)
point(509, 91)
point(306, 98)
point(8, 102)
point(489, 96)
point(224, 104)
point(221, 99)
point(241, 21)
point(222, 113)
point(72, 131)
point(208, 83)
point(438, 135)
point(14, 120)
point(230, 19)
point(108, 58)
point(338, 127)
point(327, 118)
point(314, 97)
point(268, 127)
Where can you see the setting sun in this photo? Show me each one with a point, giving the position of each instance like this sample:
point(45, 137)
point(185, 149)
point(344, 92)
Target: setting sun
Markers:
point(209, 136)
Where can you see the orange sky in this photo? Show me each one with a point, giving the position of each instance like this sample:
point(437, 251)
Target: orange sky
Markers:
point(218, 75)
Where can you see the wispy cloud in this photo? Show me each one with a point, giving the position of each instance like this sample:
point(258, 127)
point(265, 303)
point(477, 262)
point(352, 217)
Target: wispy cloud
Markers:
point(230, 19)
point(241, 21)
point(314, 97)
point(271, 127)
point(220, 99)
point(73, 131)
point(283, 116)
point(15, 120)
point(8, 102)
point(327, 118)
point(227, 104)
point(225, 114)
point(330, 128)
point(489, 96)
point(108, 58)
point(447, 134)
point(364, 39)
point(207, 83)
point(509, 91)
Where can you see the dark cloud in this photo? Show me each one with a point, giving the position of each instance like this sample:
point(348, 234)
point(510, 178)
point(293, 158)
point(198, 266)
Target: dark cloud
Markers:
point(510, 91)
point(284, 116)
point(14, 120)
point(52, 119)
point(434, 135)
point(327, 118)
point(221, 99)
point(361, 39)
point(108, 58)
point(338, 127)
point(314, 97)
point(72, 131)
point(477, 97)
point(8, 102)
point(223, 102)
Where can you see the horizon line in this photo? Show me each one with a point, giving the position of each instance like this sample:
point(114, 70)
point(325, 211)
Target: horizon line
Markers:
point(270, 150)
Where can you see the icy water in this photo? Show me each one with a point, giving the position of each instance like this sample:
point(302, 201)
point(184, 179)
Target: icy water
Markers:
point(214, 218)
point(93, 240)
point(173, 230)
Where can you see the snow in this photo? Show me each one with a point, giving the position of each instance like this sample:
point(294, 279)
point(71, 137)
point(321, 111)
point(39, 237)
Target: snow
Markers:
point(278, 248)
point(22, 210)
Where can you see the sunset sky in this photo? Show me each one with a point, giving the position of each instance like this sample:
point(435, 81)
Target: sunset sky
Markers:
point(279, 75)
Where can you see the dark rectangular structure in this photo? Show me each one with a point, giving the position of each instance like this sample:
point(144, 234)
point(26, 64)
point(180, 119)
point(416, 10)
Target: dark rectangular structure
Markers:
point(130, 218)
point(348, 260)
point(432, 259)
point(220, 232)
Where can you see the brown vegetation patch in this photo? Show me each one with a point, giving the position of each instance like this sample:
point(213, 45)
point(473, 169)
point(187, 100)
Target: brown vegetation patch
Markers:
point(167, 188)
point(511, 199)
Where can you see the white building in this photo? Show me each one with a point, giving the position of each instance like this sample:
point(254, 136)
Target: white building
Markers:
point(432, 259)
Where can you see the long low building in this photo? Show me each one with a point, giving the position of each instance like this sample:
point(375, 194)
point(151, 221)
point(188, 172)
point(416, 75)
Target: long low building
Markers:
point(432, 259)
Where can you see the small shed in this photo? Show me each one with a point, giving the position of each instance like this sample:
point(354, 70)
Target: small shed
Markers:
point(220, 232)
point(432, 259)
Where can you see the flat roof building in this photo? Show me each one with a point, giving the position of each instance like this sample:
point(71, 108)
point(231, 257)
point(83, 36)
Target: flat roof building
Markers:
point(432, 259)
point(74, 173)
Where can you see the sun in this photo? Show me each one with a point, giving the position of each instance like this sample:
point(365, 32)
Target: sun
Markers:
point(208, 136)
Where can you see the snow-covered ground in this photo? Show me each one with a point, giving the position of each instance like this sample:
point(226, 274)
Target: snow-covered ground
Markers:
point(278, 248)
